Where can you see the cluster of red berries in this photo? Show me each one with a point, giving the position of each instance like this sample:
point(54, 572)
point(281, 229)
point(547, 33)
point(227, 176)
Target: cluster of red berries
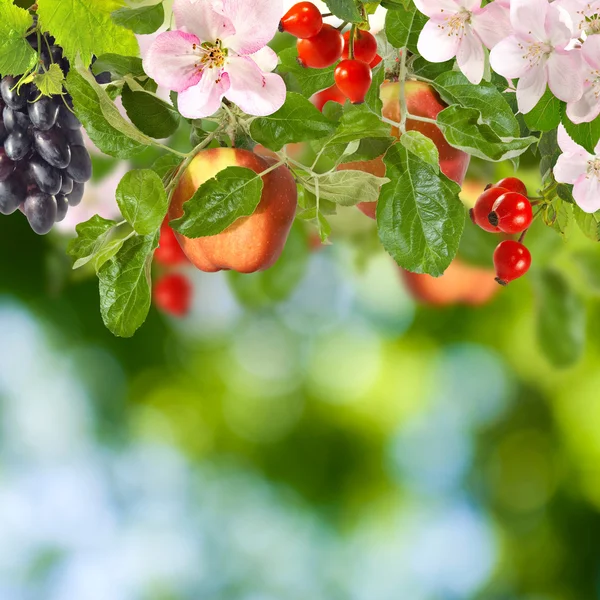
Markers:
point(173, 290)
point(321, 45)
point(505, 208)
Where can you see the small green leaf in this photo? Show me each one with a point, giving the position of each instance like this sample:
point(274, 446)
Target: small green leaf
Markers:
point(91, 237)
point(150, 114)
point(403, 27)
point(561, 319)
point(166, 165)
point(346, 188)
point(119, 66)
point(143, 20)
point(296, 121)
point(125, 293)
point(309, 80)
point(142, 200)
point(585, 134)
point(235, 192)
point(420, 217)
point(50, 83)
point(347, 10)
point(373, 98)
point(423, 147)
point(589, 223)
point(16, 55)
point(546, 115)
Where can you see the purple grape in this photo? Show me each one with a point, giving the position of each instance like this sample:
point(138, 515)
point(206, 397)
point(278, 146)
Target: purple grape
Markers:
point(52, 147)
point(7, 166)
point(17, 145)
point(80, 167)
point(11, 97)
point(14, 119)
point(67, 184)
point(40, 210)
point(43, 113)
point(67, 120)
point(62, 207)
point(76, 195)
point(12, 192)
point(47, 178)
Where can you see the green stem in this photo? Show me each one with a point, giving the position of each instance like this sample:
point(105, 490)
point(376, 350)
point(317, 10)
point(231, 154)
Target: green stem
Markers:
point(351, 45)
point(403, 107)
point(410, 117)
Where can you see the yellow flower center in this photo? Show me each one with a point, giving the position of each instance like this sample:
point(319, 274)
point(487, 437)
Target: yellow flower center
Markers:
point(456, 24)
point(211, 56)
point(594, 168)
point(536, 52)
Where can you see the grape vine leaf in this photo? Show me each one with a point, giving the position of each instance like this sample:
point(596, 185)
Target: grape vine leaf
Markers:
point(85, 28)
point(142, 200)
point(125, 293)
point(16, 55)
point(143, 20)
point(235, 192)
point(51, 82)
point(420, 217)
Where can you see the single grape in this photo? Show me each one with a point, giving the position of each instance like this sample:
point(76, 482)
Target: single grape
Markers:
point(67, 120)
point(76, 195)
point(47, 178)
point(40, 210)
point(74, 136)
point(62, 207)
point(52, 147)
point(12, 192)
point(7, 166)
point(80, 167)
point(3, 133)
point(17, 145)
point(44, 112)
point(13, 98)
point(13, 119)
point(104, 77)
point(67, 184)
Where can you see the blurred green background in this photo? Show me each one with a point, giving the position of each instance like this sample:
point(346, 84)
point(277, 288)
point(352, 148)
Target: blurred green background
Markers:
point(309, 433)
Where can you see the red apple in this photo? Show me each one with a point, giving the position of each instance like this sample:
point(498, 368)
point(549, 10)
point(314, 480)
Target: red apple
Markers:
point(252, 243)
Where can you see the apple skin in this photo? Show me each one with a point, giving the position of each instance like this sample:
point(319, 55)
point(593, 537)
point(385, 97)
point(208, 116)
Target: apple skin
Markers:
point(252, 243)
point(422, 101)
point(460, 284)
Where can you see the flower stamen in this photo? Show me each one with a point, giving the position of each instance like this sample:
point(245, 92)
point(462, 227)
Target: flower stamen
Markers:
point(594, 168)
point(457, 23)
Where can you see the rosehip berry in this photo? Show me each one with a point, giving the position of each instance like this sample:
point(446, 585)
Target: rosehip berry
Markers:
point(173, 294)
point(330, 94)
point(169, 252)
point(321, 50)
point(365, 46)
point(354, 78)
point(303, 20)
point(511, 261)
point(375, 61)
point(512, 184)
point(484, 206)
point(511, 213)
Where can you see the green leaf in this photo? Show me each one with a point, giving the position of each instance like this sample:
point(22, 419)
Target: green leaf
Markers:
point(347, 10)
point(423, 147)
point(589, 223)
point(402, 27)
point(561, 319)
point(495, 111)
point(462, 129)
point(91, 237)
point(585, 134)
point(309, 80)
point(296, 121)
point(112, 134)
point(266, 288)
point(166, 165)
point(143, 20)
point(125, 293)
point(422, 68)
point(235, 192)
point(420, 217)
point(119, 66)
point(150, 114)
point(546, 115)
point(142, 200)
point(50, 83)
point(346, 188)
point(85, 28)
point(373, 98)
point(16, 55)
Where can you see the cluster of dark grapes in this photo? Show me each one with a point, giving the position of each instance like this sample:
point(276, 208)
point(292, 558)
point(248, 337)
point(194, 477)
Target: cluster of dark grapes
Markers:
point(43, 162)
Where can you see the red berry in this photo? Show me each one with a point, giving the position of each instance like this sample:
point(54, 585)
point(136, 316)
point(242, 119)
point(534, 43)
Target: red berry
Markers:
point(321, 50)
point(330, 94)
point(511, 213)
point(512, 184)
point(375, 61)
point(303, 20)
point(169, 252)
point(354, 78)
point(511, 261)
point(483, 207)
point(365, 46)
point(173, 294)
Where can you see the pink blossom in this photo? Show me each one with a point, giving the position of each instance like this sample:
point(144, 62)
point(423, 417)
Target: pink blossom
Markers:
point(461, 28)
point(577, 166)
point(585, 15)
point(537, 54)
point(588, 107)
point(220, 50)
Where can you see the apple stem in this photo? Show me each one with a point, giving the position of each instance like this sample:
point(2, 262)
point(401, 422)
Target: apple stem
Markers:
point(403, 107)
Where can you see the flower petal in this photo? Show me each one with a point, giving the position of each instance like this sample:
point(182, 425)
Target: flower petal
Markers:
point(255, 92)
point(564, 75)
point(204, 99)
point(471, 58)
point(566, 142)
point(587, 193)
point(506, 58)
point(587, 108)
point(531, 88)
point(528, 18)
point(437, 8)
point(201, 19)
point(492, 24)
point(570, 167)
point(559, 26)
point(435, 45)
point(591, 51)
point(255, 22)
point(171, 60)
point(266, 59)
